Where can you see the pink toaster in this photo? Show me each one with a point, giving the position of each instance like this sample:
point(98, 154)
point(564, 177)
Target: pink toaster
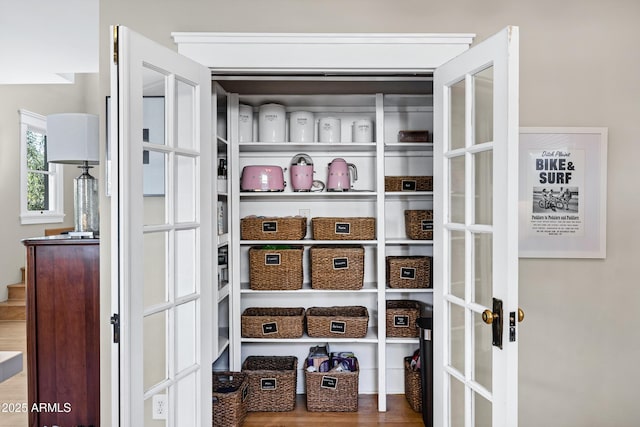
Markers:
point(262, 178)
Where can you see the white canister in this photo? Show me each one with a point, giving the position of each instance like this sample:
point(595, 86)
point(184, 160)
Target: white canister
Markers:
point(362, 131)
point(271, 123)
point(329, 129)
point(245, 123)
point(301, 126)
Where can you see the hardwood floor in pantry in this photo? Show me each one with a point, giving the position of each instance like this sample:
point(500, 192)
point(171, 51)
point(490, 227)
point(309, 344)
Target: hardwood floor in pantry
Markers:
point(399, 413)
point(13, 391)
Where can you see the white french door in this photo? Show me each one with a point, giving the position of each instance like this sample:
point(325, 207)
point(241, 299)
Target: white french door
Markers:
point(476, 199)
point(161, 234)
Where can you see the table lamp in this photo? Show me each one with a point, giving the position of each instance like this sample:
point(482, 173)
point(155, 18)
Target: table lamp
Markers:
point(73, 138)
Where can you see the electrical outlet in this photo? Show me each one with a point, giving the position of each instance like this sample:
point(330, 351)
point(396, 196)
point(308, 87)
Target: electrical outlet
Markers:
point(159, 407)
point(305, 212)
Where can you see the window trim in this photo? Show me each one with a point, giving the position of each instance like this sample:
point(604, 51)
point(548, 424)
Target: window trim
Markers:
point(34, 121)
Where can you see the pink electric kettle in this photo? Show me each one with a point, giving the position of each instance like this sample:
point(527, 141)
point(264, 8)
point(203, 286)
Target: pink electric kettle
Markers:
point(341, 176)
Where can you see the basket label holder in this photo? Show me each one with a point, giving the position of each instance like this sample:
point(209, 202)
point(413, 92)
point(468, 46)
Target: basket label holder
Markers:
point(269, 328)
point(271, 259)
point(340, 263)
point(400, 321)
point(343, 228)
point(269, 226)
point(409, 185)
point(338, 327)
point(329, 382)
point(268, 383)
point(426, 224)
point(408, 273)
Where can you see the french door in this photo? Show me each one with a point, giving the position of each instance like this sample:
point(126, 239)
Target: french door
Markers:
point(476, 297)
point(161, 234)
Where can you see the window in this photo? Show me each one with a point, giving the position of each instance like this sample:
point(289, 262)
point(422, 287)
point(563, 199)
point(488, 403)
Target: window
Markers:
point(41, 187)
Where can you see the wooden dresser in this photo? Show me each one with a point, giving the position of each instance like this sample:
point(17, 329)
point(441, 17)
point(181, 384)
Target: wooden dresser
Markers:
point(63, 332)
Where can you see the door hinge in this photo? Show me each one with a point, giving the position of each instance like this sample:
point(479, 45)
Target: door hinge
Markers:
point(115, 44)
point(115, 321)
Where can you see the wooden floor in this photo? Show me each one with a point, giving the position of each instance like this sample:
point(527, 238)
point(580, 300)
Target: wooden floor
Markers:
point(13, 392)
point(399, 413)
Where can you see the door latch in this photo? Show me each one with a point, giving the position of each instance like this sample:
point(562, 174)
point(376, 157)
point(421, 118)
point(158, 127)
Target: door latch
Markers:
point(115, 321)
point(494, 318)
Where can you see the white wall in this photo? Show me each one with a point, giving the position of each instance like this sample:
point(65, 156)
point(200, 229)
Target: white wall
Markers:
point(42, 99)
point(580, 341)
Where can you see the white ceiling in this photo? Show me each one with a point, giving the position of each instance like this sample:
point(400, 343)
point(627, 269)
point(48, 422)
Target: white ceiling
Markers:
point(47, 41)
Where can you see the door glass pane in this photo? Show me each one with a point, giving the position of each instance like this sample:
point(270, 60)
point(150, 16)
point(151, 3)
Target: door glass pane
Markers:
point(153, 118)
point(185, 117)
point(457, 129)
point(482, 411)
point(153, 183)
point(457, 403)
point(148, 411)
point(482, 351)
point(154, 259)
point(483, 171)
point(185, 335)
point(483, 269)
point(457, 190)
point(186, 401)
point(185, 266)
point(185, 189)
point(154, 351)
point(483, 108)
point(457, 272)
point(456, 322)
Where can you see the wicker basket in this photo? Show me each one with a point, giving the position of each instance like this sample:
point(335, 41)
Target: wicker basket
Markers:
point(341, 322)
point(273, 228)
point(229, 398)
point(401, 318)
point(272, 322)
point(419, 224)
point(348, 228)
point(337, 267)
point(331, 391)
point(412, 386)
point(272, 383)
point(409, 272)
point(408, 183)
point(277, 268)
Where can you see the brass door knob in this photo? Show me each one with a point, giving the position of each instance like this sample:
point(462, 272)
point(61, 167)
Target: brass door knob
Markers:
point(487, 317)
point(520, 315)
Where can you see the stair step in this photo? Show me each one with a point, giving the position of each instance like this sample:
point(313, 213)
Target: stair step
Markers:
point(16, 291)
point(13, 310)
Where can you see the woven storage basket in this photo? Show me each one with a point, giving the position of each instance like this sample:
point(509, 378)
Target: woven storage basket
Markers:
point(272, 383)
point(348, 228)
point(342, 322)
point(408, 183)
point(272, 322)
point(229, 398)
point(331, 391)
point(337, 267)
point(273, 228)
point(412, 386)
point(409, 272)
point(419, 224)
point(271, 269)
point(401, 318)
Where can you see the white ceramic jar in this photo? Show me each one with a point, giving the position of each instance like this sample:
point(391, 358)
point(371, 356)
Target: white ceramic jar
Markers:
point(329, 130)
point(272, 123)
point(301, 126)
point(362, 130)
point(245, 123)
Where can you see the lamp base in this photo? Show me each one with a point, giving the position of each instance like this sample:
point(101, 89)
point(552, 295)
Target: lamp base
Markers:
point(86, 214)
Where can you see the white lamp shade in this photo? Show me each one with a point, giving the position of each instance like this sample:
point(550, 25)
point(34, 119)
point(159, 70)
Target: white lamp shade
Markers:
point(73, 138)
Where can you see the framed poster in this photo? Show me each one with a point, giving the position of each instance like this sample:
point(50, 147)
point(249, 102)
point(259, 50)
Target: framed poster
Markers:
point(562, 192)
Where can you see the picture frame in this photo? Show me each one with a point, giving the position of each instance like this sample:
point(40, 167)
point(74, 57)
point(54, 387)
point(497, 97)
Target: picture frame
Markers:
point(562, 192)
